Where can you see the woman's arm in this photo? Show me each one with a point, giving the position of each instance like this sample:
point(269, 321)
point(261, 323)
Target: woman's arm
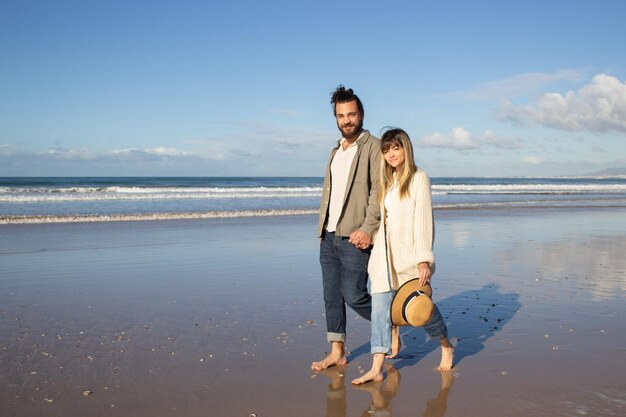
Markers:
point(424, 228)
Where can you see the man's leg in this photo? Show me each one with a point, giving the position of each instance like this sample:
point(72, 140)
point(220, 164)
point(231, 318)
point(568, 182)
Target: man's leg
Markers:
point(333, 302)
point(354, 278)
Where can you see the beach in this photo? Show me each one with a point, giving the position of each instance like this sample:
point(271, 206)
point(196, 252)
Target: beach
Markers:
point(223, 316)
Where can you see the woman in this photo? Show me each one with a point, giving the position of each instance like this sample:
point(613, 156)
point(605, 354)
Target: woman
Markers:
point(403, 249)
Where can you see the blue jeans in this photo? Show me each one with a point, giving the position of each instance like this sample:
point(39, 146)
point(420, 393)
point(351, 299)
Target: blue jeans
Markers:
point(381, 323)
point(344, 277)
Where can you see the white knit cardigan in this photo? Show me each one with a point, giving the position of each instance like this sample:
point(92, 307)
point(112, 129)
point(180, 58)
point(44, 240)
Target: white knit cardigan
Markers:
point(410, 233)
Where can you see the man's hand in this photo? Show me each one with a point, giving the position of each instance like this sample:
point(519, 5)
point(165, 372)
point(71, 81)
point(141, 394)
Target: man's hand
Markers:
point(360, 239)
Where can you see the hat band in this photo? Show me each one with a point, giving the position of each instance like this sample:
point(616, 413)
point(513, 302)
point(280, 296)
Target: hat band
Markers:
point(408, 299)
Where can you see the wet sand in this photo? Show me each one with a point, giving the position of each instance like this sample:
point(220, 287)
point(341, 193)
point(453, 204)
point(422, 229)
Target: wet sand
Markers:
point(223, 317)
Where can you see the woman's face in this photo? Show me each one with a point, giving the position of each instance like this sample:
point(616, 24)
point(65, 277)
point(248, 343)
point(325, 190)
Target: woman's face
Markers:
point(394, 156)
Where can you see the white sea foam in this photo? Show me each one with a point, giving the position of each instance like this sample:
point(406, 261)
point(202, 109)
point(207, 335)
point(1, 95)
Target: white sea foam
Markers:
point(150, 217)
point(119, 193)
point(37, 195)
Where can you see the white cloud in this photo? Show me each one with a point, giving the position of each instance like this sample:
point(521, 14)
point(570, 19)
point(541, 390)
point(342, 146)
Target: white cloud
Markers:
point(491, 139)
point(244, 153)
point(250, 148)
point(7, 150)
point(596, 107)
point(516, 86)
point(83, 161)
point(532, 160)
point(287, 147)
point(82, 154)
point(160, 152)
point(461, 139)
point(85, 154)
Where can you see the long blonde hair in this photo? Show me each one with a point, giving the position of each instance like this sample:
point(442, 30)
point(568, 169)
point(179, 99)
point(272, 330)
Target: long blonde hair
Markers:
point(396, 137)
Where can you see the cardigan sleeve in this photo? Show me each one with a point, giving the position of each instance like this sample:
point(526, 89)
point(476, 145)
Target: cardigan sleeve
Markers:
point(424, 228)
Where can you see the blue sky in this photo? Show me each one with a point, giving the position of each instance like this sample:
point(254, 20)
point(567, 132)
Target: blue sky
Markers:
point(242, 88)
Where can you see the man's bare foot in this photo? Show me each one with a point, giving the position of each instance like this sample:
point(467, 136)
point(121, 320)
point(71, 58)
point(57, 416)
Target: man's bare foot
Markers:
point(372, 375)
point(396, 342)
point(333, 358)
point(336, 376)
point(447, 356)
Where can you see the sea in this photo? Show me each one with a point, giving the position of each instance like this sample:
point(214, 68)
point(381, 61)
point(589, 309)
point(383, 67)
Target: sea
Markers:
point(91, 199)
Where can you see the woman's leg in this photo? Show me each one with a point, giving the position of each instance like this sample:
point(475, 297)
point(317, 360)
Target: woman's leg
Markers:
point(381, 336)
point(374, 374)
point(436, 329)
point(396, 342)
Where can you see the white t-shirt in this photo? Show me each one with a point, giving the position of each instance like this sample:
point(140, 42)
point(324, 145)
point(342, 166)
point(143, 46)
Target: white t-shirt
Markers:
point(339, 171)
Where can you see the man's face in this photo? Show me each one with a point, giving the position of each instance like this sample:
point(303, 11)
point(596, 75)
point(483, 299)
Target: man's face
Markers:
point(349, 119)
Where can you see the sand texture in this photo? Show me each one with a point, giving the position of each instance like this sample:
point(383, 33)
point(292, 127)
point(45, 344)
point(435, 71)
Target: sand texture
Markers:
point(222, 317)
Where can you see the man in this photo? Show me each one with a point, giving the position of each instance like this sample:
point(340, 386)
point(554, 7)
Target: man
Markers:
point(349, 215)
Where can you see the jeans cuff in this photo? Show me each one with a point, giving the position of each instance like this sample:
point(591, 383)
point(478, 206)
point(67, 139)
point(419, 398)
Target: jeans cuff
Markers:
point(438, 337)
point(380, 349)
point(336, 337)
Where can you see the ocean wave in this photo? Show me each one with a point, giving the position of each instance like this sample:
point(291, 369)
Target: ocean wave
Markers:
point(92, 218)
point(121, 193)
point(113, 194)
point(529, 188)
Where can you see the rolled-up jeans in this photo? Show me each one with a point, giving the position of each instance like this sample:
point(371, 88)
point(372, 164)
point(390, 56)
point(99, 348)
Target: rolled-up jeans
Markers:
point(381, 323)
point(344, 277)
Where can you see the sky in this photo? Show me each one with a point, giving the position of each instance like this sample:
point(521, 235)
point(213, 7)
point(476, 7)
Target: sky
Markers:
point(242, 88)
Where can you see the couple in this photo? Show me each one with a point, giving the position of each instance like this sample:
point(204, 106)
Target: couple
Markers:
point(358, 187)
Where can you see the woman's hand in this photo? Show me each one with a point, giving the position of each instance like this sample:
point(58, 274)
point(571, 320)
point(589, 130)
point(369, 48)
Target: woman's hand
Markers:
point(424, 277)
point(360, 239)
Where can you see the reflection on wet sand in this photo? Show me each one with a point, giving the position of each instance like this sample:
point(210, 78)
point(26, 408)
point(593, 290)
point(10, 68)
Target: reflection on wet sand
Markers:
point(594, 265)
point(381, 392)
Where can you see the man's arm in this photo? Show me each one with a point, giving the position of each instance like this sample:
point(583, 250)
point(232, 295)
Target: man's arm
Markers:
point(362, 238)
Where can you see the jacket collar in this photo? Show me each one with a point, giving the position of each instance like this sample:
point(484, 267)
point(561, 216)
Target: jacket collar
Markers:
point(360, 140)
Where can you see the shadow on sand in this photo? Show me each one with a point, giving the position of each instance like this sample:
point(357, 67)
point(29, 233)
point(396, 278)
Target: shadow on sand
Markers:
point(472, 317)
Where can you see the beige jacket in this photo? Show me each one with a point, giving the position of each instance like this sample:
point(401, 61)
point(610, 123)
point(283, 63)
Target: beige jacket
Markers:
point(360, 207)
point(410, 235)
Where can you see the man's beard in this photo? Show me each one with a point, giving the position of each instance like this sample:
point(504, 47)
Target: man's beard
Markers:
point(353, 133)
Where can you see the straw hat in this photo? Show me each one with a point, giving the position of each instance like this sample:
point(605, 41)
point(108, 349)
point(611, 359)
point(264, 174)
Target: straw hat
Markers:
point(412, 306)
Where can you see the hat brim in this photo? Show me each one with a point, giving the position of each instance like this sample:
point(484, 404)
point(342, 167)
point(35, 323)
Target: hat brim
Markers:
point(419, 296)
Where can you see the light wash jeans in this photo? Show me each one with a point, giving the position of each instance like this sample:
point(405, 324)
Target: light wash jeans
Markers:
point(381, 323)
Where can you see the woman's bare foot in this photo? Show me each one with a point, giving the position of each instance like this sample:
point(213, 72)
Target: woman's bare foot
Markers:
point(372, 375)
point(447, 356)
point(336, 356)
point(447, 378)
point(396, 342)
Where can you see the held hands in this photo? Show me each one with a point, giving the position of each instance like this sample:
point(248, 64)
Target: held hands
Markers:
point(360, 239)
point(424, 276)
